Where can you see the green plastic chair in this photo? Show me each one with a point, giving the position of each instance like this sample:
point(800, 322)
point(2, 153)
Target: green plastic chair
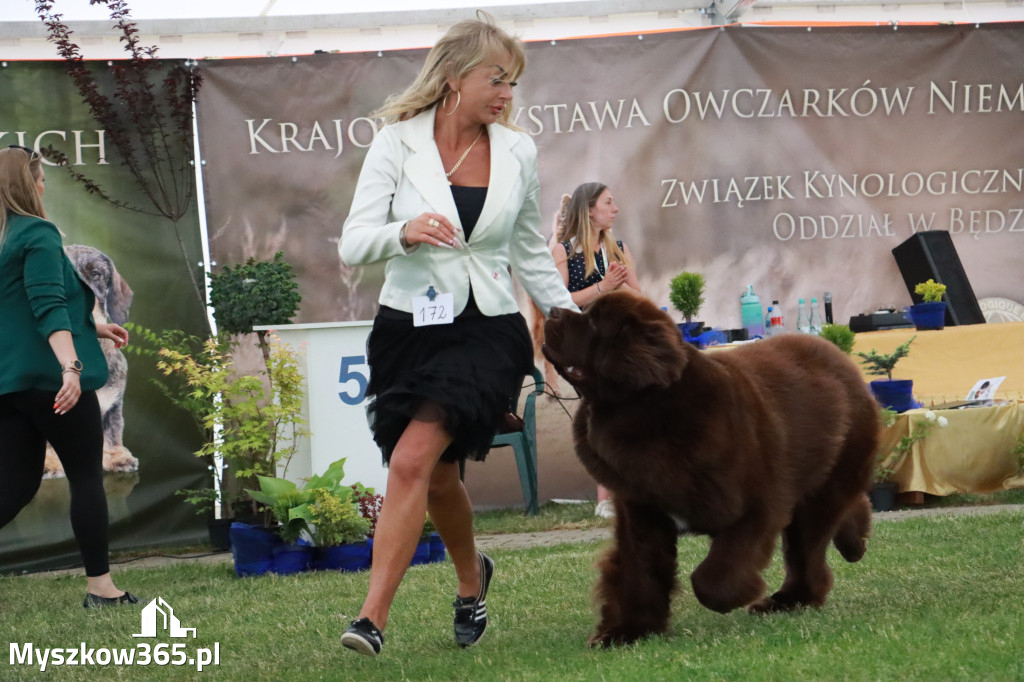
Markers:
point(524, 442)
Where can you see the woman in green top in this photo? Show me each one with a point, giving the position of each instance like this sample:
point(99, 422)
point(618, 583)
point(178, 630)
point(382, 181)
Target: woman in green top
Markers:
point(50, 367)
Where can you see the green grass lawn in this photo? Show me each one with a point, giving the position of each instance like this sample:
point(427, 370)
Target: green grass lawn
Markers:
point(934, 599)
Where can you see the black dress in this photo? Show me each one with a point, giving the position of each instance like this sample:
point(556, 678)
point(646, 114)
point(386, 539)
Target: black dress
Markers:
point(469, 368)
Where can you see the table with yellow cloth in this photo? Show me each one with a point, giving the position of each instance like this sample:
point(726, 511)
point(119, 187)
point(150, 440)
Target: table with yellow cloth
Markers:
point(974, 452)
point(945, 363)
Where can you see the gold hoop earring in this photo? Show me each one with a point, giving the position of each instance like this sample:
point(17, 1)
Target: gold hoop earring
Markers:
point(444, 103)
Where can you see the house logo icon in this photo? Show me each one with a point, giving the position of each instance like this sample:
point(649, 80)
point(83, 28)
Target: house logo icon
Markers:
point(158, 613)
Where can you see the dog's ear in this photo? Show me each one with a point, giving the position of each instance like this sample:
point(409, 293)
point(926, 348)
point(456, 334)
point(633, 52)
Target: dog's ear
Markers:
point(656, 356)
point(119, 297)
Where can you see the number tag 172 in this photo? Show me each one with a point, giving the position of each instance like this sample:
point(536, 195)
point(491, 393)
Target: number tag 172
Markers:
point(437, 311)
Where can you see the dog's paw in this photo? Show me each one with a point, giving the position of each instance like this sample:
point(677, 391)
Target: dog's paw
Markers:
point(614, 637)
point(603, 640)
point(779, 603)
point(119, 459)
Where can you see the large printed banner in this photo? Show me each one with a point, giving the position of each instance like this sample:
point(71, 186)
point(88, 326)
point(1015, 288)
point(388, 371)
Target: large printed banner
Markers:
point(134, 263)
point(793, 159)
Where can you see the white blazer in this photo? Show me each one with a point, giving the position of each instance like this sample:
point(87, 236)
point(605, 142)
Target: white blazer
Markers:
point(403, 177)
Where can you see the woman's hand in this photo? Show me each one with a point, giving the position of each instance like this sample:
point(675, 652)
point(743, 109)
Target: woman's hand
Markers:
point(432, 229)
point(615, 277)
point(69, 393)
point(114, 332)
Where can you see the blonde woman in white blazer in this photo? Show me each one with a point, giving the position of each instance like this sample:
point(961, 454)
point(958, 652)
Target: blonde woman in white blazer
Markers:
point(448, 197)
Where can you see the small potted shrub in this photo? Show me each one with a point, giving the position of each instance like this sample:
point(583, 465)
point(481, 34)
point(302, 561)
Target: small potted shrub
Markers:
point(895, 394)
point(290, 508)
point(252, 419)
point(286, 551)
point(931, 312)
point(839, 334)
point(339, 531)
point(686, 294)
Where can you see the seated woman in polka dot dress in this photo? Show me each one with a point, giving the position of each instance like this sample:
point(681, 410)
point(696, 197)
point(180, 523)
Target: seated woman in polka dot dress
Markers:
point(591, 262)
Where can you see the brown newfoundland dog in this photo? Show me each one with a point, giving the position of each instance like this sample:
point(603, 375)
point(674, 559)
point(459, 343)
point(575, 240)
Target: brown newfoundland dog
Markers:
point(776, 436)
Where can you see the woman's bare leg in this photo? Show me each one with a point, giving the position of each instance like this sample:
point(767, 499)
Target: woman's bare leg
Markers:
point(452, 513)
point(400, 523)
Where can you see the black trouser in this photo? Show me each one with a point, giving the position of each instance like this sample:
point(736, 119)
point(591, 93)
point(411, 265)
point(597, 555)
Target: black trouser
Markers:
point(27, 422)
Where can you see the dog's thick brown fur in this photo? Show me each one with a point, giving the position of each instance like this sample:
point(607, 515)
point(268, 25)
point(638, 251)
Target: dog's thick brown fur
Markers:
point(774, 437)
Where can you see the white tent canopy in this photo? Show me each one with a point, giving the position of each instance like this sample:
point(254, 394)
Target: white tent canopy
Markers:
point(233, 28)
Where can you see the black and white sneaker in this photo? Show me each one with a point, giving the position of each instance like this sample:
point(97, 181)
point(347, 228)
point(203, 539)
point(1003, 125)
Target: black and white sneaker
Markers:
point(471, 612)
point(363, 637)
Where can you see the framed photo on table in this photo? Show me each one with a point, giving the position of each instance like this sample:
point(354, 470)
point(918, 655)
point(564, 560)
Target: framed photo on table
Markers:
point(985, 389)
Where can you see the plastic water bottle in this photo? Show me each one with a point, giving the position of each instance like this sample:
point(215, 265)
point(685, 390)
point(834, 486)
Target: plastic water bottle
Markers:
point(778, 323)
point(768, 330)
point(751, 314)
point(803, 322)
point(815, 319)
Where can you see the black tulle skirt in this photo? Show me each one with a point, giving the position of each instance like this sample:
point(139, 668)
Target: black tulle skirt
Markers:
point(469, 368)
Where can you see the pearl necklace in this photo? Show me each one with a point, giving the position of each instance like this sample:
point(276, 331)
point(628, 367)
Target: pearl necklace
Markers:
point(462, 158)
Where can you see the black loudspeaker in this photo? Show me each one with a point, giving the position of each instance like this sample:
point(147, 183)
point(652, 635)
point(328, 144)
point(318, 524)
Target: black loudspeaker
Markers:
point(931, 255)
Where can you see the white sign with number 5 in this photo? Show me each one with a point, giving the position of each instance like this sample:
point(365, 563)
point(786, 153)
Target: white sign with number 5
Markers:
point(335, 376)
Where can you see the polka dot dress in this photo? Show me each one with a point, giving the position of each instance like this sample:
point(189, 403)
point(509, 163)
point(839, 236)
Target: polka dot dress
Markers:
point(577, 268)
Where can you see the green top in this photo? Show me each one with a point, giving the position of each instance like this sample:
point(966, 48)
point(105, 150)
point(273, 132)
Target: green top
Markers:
point(41, 293)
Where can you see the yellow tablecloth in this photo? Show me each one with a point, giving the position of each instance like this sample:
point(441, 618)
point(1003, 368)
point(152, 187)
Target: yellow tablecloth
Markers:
point(970, 455)
point(946, 363)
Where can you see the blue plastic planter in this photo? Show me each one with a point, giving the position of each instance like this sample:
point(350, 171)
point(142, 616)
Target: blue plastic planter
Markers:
point(931, 315)
point(897, 394)
point(348, 558)
point(422, 554)
point(292, 559)
point(252, 548)
point(436, 548)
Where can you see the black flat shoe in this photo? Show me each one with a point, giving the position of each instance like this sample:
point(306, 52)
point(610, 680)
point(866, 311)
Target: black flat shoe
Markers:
point(363, 637)
point(93, 601)
point(471, 612)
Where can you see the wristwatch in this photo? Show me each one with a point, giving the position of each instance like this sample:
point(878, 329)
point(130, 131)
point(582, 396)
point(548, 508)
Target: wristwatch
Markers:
point(73, 366)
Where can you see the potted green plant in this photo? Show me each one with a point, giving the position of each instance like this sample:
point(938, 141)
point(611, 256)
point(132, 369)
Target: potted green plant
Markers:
point(289, 506)
point(339, 531)
point(255, 293)
point(839, 334)
point(896, 394)
point(176, 387)
point(252, 417)
point(294, 509)
point(930, 312)
point(686, 294)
